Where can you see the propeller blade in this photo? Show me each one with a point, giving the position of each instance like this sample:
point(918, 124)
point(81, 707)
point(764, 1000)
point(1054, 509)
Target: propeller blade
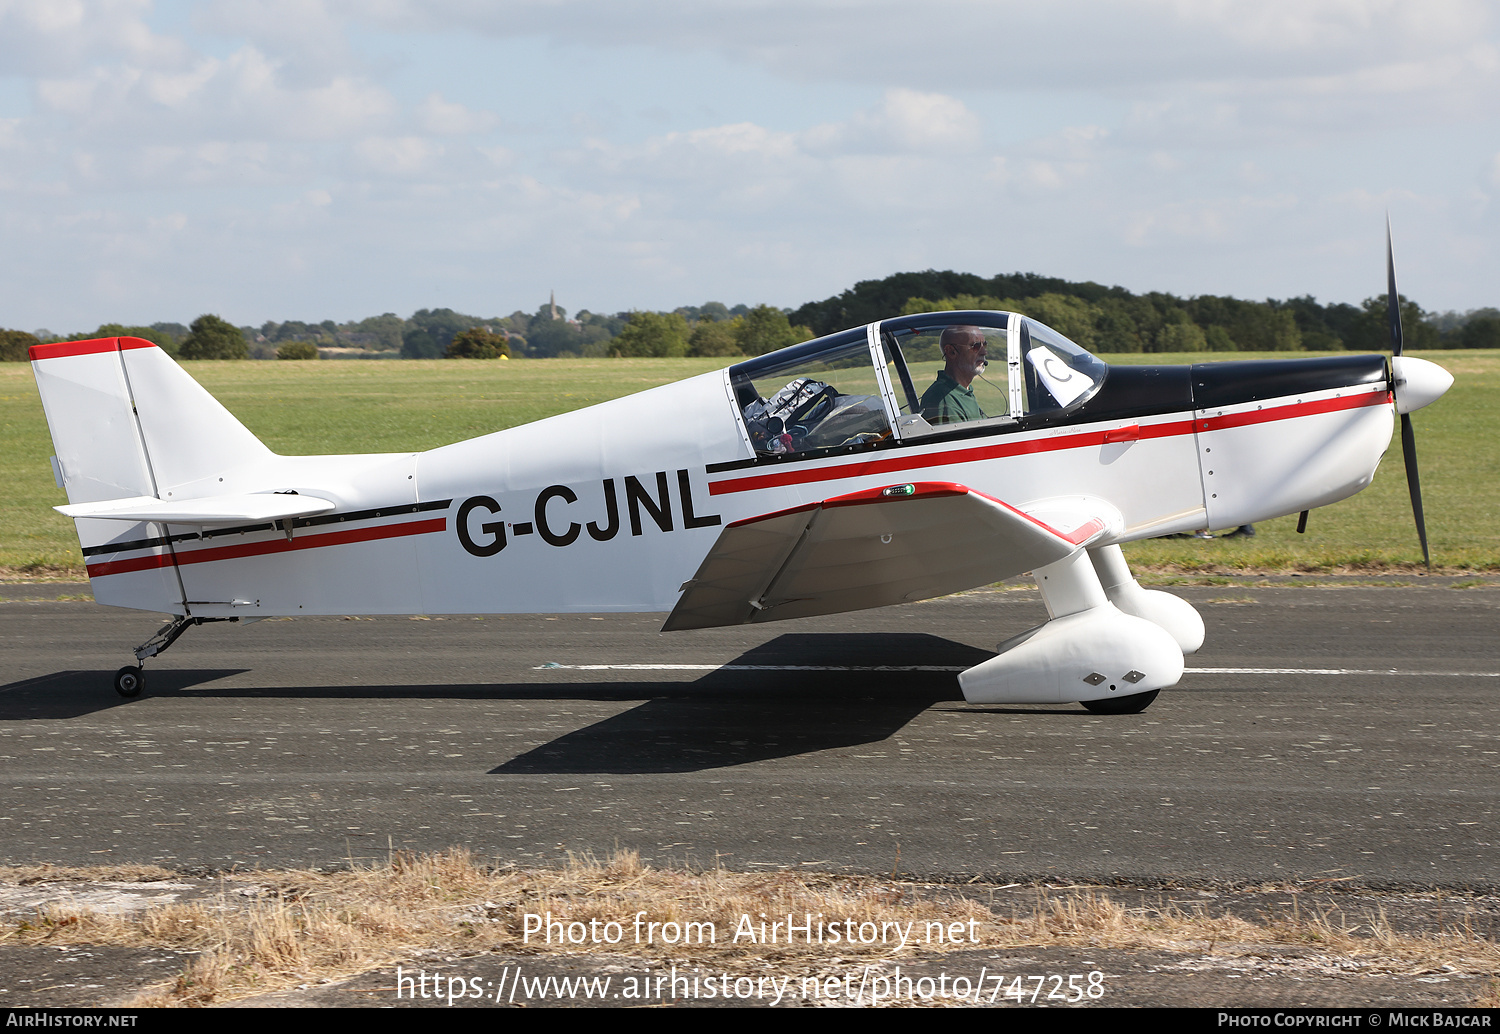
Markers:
point(1414, 483)
point(1392, 299)
point(1408, 436)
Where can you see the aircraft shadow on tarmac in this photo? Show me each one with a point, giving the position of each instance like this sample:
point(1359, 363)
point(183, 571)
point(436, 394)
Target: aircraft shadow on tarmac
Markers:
point(731, 717)
point(725, 718)
point(73, 694)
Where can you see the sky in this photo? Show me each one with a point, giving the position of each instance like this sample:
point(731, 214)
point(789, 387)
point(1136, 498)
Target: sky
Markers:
point(335, 159)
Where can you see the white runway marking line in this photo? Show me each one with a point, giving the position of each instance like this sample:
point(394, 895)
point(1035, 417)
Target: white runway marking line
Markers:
point(550, 666)
point(553, 666)
point(1339, 671)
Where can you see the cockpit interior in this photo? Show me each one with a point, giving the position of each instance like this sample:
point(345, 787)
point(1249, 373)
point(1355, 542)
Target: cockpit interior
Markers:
point(909, 378)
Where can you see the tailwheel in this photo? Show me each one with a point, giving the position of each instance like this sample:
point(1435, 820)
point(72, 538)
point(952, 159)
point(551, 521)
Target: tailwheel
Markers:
point(129, 681)
point(1135, 703)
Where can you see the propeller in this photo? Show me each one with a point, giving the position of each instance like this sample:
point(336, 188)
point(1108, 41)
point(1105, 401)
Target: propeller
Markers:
point(1408, 437)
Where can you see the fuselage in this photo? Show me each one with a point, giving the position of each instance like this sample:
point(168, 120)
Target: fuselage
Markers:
point(613, 507)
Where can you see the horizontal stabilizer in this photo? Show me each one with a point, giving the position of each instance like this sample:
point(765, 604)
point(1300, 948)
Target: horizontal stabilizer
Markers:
point(873, 549)
point(209, 511)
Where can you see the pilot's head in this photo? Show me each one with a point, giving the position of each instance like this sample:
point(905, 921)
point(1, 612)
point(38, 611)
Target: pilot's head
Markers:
point(964, 353)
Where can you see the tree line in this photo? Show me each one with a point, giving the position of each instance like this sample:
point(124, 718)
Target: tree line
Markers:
point(1101, 319)
point(1112, 319)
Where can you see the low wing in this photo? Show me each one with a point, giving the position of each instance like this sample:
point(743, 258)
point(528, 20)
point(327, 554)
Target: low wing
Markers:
point(208, 511)
point(877, 548)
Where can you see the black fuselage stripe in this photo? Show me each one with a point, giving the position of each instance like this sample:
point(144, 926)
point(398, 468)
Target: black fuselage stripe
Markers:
point(245, 529)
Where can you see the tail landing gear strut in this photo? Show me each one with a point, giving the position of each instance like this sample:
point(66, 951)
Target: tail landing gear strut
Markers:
point(131, 679)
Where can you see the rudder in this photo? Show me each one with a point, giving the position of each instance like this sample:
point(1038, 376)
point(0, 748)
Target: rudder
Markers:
point(128, 422)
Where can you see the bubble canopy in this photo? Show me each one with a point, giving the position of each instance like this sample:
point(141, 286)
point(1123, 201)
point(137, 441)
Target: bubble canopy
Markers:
point(910, 377)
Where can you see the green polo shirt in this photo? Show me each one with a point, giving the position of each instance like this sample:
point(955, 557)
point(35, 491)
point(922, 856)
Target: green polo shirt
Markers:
point(948, 403)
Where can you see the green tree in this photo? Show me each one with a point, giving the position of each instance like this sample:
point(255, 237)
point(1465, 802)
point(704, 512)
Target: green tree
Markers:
point(381, 332)
point(176, 331)
point(1218, 340)
point(1184, 336)
point(714, 338)
point(764, 329)
point(419, 344)
point(653, 334)
point(1071, 317)
point(1370, 330)
point(1145, 317)
point(442, 325)
point(14, 345)
point(1483, 332)
point(1286, 336)
point(210, 337)
point(546, 337)
point(297, 350)
point(478, 343)
point(160, 338)
point(1114, 330)
point(956, 302)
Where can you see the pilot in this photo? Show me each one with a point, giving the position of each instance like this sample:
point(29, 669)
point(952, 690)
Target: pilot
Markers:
point(950, 400)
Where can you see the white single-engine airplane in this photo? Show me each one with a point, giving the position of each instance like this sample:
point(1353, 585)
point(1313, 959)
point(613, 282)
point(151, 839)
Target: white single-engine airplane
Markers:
point(871, 467)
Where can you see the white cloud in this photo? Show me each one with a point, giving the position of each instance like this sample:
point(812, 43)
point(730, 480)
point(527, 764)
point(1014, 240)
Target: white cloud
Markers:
point(62, 36)
point(305, 35)
point(436, 115)
point(927, 120)
point(399, 156)
point(242, 95)
point(272, 160)
point(1201, 221)
point(905, 120)
point(954, 44)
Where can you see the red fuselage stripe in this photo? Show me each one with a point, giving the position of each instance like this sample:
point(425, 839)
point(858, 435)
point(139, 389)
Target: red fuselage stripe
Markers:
point(1000, 450)
point(1261, 416)
point(279, 545)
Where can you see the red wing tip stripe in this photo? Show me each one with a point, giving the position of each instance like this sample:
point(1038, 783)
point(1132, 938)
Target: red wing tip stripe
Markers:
point(266, 547)
point(93, 346)
point(1080, 534)
point(1077, 535)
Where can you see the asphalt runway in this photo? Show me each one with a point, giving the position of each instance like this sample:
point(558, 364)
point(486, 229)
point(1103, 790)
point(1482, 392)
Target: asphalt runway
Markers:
point(314, 741)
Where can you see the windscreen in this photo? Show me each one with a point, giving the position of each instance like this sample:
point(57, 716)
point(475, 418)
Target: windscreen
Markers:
point(812, 398)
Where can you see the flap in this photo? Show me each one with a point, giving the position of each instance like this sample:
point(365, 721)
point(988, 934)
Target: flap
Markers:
point(207, 511)
point(877, 548)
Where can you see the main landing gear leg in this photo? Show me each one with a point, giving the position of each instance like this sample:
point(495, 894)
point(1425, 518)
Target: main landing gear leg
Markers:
point(1090, 651)
point(131, 679)
point(1173, 613)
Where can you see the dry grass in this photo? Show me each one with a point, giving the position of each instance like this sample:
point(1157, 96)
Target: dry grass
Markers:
point(27, 875)
point(301, 927)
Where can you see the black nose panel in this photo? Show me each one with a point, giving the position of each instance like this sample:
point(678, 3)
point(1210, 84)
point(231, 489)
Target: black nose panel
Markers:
point(1229, 384)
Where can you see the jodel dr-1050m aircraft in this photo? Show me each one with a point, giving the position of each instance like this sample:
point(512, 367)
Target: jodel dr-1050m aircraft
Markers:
point(870, 467)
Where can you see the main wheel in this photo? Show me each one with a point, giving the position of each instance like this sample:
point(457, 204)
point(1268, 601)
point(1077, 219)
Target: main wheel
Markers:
point(129, 681)
point(1135, 703)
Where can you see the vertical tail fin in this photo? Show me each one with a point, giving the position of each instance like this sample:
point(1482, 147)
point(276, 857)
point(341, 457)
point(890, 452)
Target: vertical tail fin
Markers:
point(100, 454)
point(128, 422)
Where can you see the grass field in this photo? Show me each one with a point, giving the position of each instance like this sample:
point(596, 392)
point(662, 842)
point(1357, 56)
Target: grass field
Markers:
point(348, 407)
